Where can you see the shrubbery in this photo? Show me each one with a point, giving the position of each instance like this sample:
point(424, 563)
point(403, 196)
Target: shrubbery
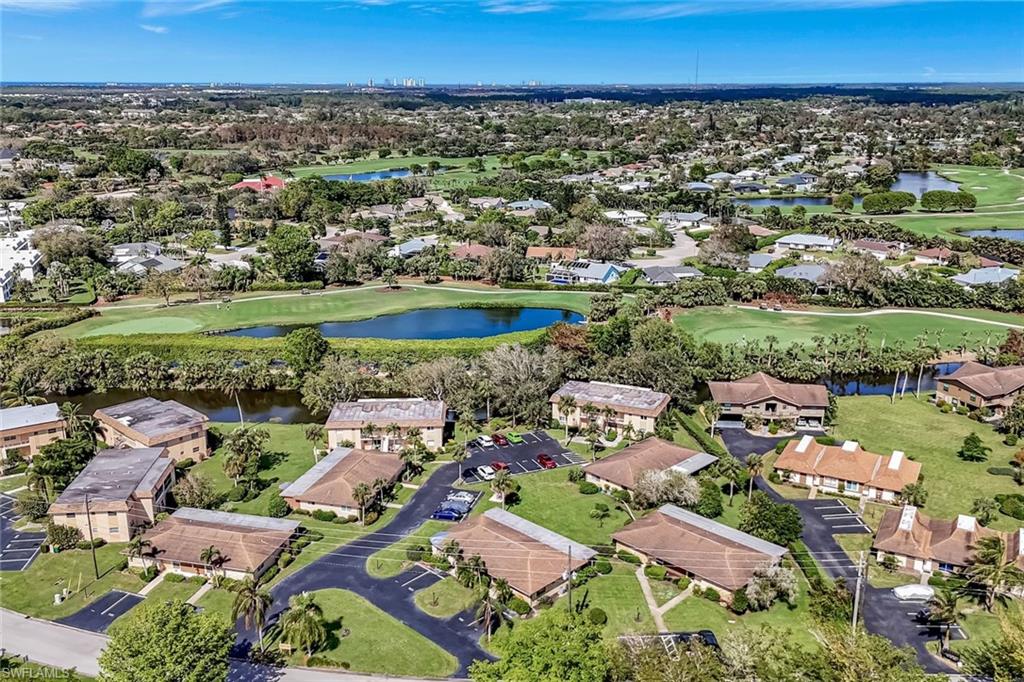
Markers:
point(174, 578)
point(603, 566)
point(740, 602)
point(711, 594)
point(597, 616)
point(277, 507)
point(655, 572)
point(628, 557)
point(519, 605)
point(1012, 505)
point(588, 488)
point(323, 515)
point(683, 583)
point(62, 537)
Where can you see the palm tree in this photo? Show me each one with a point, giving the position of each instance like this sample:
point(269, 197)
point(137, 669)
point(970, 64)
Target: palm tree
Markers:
point(302, 625)
point(993, 569)
point(593, 437)
point(459, 454)
point(944, 608)
point(234, 382)
point(755, 463)
point(729, 468)
point(20, 391)
point(599, 514)
point(211, 556)
point(137, 547)
point(490, 612)
point(72, 415)
point(380, 485)
point(712, 411)
point(361, 494)
point(503, 484)
point(252, 603)
point(393, 430)
point(566, 407)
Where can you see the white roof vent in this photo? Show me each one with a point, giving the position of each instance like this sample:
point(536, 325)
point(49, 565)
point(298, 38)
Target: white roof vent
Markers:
point(896, 460)
point(804, 443)
point(126, 420)
point(907, 517)
point(850, 446)
point(967, 523)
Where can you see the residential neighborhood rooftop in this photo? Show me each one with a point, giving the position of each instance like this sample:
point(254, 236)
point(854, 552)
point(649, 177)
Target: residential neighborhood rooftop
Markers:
point(405, 412)
point(332, 480)
point(652, 454)
point(28, 415)
point(112, 477)
point(153, 418)
point(629, 399)
point(759, 387)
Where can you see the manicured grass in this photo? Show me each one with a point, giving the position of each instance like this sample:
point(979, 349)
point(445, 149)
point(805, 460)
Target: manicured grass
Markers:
point(991, 185)
point(22, 670)
point(855, 543)
point(697, 613)
point(936, 224)
point(219, 602)
point(548, 499)
point(932, 438)
point(165, 591)
point(31, 591)
point(729, 324)
point(335, 535)
point(391, 561)
point(336, 305)
point(376, 643)
point(446, 598)
point(620, 596)
point(12, 483)
point(664, 590)
point(979, 625)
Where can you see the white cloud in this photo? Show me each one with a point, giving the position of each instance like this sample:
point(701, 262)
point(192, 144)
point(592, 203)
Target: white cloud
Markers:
point(630, 9)
point(517, 6)
point(164, 8)
point(40, 5)
point(153, 29)
point(26, 36)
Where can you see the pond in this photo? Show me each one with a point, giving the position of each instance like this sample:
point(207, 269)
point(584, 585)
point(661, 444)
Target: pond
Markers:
point(882, 384)
point(257, 406)
point(919, 182)
point(783, 201)
point(431, 323)
point(370, 176)
point(1011, 234)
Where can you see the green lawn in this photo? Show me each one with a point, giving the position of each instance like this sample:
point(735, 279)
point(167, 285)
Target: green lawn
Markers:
point(697, 613)
point(664, 590)
point(376, 642)
point(979, 625)
point(938, 225)
point(854, 544)
point(12, 483)
point(548, 499)
point(933, 439)
point(219, 602)
point(22, 670)
point(336, 305)
point(446, 598)
point(31, 591)
point(391, 561)
point(620, 596)
point(728, 324)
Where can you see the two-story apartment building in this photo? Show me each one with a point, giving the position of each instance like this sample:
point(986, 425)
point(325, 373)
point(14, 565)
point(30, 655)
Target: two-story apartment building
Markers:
point(770, 399)
point(117, 491)
point(151, 423)
point(386, 424)
point(921, 544)
point(608, 405)
point(976, 386)
point(25, 429)
point(846, 469)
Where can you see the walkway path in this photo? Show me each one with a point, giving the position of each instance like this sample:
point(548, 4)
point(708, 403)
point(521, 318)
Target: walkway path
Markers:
point(887, 311)
point(151, 585)
point(194, 599)
point(652, 605)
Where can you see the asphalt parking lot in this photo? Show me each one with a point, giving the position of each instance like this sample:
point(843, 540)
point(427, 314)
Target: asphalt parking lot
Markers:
point(17, 548)
point(522, 457)
point(838, 517)
point(98, 615)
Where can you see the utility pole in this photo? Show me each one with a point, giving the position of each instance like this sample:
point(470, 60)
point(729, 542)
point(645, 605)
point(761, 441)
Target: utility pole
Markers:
point(856, 595)
point(92, 545)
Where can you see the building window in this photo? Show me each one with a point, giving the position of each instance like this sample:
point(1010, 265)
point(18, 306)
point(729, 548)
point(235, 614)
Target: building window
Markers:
point(852, 486)
point(71, 515)
point(114, 531)
point(945, 568)
point(195, 449)
point(111, 513)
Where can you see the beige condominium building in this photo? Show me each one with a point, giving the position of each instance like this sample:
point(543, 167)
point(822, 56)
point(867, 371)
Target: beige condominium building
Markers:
point(608, 405)
point(764, 396)
point(921, 544)
point(330, 484)
point(152, 423)
point(975, 385)
point(25, 429)
point(117, 491)
point(621, 470)
point(386, 424)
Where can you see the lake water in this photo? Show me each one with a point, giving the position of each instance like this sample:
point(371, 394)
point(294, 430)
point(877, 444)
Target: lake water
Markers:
point(881, 384)
point(257, 406)
point(431, 323)
point(370, 176)
point(1012, 235)
point(783, 201)
point(919, 182)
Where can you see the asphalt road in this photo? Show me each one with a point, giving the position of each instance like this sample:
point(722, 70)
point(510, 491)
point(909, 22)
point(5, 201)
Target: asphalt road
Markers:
point(17, 548)
point(522, 457)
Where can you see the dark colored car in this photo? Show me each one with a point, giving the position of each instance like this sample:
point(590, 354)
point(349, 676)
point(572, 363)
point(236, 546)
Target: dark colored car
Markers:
point(499, 439)
point(456, 505)
point(498, 466)
point(446, 515)
point(703, 636)
point(546, 461)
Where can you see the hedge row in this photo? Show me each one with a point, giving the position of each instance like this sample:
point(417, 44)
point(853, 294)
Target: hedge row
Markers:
point(55, 322)
point(709, 444)
point(285, 286)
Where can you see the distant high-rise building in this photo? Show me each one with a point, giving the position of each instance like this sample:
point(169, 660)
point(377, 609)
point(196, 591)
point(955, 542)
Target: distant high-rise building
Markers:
point(369, 82)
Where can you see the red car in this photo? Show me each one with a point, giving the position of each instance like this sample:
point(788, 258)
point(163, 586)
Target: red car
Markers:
point(498, 466)
point(546, 461)
point(499, 439)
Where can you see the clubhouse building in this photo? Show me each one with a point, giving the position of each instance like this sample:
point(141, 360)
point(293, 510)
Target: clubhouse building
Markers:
point(764, 396)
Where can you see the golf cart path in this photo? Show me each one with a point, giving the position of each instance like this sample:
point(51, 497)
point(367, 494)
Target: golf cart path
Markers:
point(889, 311)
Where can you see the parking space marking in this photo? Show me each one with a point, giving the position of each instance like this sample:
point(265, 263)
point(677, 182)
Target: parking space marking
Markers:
point(107, 610)
point(837, 516)
point(852, 525)
point(421, 574)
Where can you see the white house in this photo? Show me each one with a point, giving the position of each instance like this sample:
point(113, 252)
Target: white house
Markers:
point(808, 242)
point(626, 216)
point(584, 272)
point(18, 256)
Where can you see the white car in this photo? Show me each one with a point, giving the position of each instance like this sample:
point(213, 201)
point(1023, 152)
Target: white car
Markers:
point(486, 473)
point(914, 592)
point(484, 441)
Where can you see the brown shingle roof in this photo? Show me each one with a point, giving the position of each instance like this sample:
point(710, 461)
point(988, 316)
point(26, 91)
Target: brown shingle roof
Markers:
point(626, 399)
point(759, 387)
point(332, 480)
point(471, 251)
point(244, 541)
point(699, 546)
point(529, 557)
point(405, 412)
point(551, 252)
point(907, 532)
point(988, 382)
point(656, 454)
point(848, 462)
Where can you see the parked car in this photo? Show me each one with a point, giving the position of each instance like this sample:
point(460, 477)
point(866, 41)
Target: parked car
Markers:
point(498, 465)
point(514, 438)
point(485, 473)
point(914, 592)
point(457, 505)
point(546, 461)
point(446, 515)
point(499, 439)
point(484, 441)
point(462, 496)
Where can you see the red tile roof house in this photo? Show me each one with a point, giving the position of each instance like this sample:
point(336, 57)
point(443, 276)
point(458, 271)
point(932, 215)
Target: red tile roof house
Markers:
point(770, 399)
point(980, 386)
point(621, 470)
point(880, 249)
point(710, 553)
point(471, 252)
point(531, 558)
point(938, 256)
point(267, 184)
point(921, 544)
point(846, 469)
point(329, 484)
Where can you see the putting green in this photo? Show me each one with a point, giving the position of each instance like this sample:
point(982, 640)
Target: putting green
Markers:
point(149, 325)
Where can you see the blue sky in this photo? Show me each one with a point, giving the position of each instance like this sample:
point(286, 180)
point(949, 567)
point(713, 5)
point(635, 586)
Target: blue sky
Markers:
point(510, 41)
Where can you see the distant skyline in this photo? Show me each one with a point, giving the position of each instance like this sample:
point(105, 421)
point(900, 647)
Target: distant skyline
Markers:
point(512, 41)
